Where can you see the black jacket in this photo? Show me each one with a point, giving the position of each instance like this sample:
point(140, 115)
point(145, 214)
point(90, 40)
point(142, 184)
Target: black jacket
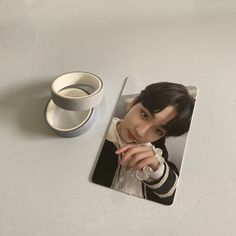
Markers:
point(161, 190)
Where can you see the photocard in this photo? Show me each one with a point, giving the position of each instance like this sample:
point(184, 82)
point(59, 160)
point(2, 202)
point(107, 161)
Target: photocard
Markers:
point(143, 147)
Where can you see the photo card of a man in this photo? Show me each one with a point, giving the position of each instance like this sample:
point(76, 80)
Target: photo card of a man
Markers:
point(143, 147)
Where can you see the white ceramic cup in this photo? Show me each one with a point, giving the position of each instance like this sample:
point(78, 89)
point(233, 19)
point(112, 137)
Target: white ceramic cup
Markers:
point(91, 83)
point(68, 123)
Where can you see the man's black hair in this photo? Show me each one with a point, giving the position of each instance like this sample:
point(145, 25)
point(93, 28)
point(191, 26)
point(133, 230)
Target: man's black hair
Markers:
point(156, 97)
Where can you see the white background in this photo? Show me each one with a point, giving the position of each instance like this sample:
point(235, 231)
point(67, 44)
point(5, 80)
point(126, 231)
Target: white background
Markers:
point(44, 179)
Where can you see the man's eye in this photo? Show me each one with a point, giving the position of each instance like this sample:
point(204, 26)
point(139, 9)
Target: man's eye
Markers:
point(159, 132)
point(144, 114)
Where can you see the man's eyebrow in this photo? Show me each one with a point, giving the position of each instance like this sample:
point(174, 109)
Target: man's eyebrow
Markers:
point(151, 113)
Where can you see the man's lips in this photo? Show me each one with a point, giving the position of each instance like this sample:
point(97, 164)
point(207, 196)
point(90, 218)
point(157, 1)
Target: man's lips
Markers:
point(130, 136)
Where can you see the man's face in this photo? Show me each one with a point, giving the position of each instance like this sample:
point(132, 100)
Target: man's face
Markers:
point(141, 126)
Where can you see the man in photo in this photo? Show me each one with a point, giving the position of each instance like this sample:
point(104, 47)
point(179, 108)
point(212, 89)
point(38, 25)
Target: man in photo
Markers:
point(134, 158)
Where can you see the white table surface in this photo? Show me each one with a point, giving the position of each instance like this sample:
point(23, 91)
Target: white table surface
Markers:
point(44, 179)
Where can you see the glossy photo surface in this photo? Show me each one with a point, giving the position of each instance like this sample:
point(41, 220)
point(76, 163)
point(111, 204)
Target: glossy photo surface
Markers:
point(143, 147)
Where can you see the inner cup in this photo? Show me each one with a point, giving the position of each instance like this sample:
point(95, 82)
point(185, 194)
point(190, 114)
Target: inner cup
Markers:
point(65, 120)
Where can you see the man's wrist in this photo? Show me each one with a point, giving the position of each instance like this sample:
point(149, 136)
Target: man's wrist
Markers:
point(154, 175)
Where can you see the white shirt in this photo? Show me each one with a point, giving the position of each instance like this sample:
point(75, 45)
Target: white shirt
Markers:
point(126, 180)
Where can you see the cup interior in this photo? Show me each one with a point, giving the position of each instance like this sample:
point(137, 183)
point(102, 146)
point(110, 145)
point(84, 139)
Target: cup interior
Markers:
point(77, 80)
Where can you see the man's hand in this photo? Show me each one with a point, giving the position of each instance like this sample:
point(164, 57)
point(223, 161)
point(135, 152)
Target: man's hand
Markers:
point(137, 156)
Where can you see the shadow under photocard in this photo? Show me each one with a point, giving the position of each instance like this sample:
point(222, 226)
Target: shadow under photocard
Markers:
point(144, 143)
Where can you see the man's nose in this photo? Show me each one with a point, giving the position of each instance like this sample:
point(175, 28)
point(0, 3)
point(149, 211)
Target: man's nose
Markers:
point(142, 130)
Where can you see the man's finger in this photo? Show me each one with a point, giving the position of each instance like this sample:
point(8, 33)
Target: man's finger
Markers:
point(137, 158)
point(124, 149)
point(133, 152)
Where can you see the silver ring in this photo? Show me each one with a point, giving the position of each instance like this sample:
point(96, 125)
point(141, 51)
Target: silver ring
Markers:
point(88, 82)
